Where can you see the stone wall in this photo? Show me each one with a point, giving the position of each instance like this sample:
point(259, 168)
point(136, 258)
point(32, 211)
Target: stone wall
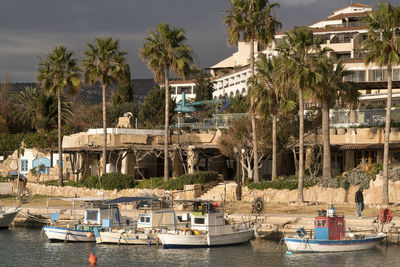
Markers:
point(70, 191)
point(318, 194)
point(373, 195)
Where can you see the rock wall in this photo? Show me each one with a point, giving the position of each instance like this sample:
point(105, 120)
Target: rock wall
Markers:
point(373, 195)
point(70, 191)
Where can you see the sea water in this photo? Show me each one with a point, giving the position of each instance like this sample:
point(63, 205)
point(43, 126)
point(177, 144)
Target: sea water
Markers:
point(21, 247)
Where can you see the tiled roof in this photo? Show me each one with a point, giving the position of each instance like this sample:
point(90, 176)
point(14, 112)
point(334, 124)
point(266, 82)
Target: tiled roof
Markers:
point(355, 28)
point(347, 15)
point(354, 5)
point(181, 82)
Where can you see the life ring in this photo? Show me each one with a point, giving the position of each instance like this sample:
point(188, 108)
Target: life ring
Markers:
point(385, 215)
point(258, 205)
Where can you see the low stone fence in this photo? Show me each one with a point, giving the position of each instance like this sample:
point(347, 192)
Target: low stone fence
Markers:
point(189, 192)
point(318, 194)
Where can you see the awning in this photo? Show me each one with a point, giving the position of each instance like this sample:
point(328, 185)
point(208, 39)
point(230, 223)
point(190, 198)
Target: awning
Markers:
point(128, 199)
point(367, 146)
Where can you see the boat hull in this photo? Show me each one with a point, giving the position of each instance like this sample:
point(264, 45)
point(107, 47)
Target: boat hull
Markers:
point(125, 238)
point(7, 218)
point(312, 245)
point(192, 241)
point(60, 234)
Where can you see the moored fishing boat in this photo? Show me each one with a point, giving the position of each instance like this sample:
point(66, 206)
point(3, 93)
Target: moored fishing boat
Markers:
point(154, 216)
point(208, 228)
point(331, 236)
point(7, 216)
point(95, 212)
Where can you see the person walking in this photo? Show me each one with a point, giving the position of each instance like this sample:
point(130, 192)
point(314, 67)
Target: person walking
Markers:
point(359, 199)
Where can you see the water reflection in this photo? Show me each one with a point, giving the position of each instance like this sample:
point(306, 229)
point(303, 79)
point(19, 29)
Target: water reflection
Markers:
point(20, 247)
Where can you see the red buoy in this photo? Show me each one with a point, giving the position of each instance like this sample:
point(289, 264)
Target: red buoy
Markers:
point(92, 258)
point(385, 215)
point(89, 235)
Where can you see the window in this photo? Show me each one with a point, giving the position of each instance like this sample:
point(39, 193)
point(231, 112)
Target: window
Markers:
point(318, 223)
point(145, 219)
point(396, 74)
point(366, 156)
point(24, 165)
point(378, 75)
point(199, 220)
point(356, 76)
point(323, 223)
point(396, 156)
point(91, 215)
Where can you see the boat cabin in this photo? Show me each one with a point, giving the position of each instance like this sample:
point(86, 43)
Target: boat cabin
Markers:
point(155, 213)
point(207, 217)
point(329, 226)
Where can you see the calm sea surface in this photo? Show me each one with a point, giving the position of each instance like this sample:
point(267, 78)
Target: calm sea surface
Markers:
point(21, 247)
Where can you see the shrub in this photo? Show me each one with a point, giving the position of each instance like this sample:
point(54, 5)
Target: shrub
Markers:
point(55, 183)
point(3, 179)
point(110, 181)
point(156, 182)
point(178, 183)
point(358, 177)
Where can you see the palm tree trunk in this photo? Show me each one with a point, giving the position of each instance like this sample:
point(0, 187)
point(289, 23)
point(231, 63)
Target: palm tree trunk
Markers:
point(253, 118)
point(166, 127)
point(60, 158)
point(104, 129)
point(326, 168)
point(274, 117)
point(385, 187)
point(300, 198)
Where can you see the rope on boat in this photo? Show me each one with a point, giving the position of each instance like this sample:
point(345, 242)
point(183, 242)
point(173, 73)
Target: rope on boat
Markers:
point(34, 218)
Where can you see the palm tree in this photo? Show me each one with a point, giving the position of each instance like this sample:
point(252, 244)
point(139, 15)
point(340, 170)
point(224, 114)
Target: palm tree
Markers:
point(104, 63)
point(272, 87)
point(252, 20)
point(298, 47)
point(383, 46)
point(56, 73)
point(329, 89)
point(165, 50)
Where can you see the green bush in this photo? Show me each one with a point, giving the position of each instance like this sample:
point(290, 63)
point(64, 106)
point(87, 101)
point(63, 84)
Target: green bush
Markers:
point(3, 179)
point(110, 181)
point(178, 183)
point(156, 182)
point(358, 177)
point(55, 183)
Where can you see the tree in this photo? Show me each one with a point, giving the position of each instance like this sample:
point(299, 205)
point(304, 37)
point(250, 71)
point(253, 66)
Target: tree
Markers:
point(56, 73)
point(165, 50)
point(252, 20)
point(239, 104)
point(105, 63)
point(382, 47)
point(273, 89)
point(298, 46)
point(329, 89)
point(124, 93)
point(204, 86)
point(37, 110)
point(152, 111)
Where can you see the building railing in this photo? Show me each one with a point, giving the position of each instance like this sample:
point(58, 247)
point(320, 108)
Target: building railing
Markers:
point(218, 121)
point(365, 118)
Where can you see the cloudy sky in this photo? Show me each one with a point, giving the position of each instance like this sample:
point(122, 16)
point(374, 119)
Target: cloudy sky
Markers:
point(29, 29)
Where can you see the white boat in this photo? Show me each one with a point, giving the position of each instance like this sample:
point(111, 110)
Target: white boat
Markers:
point(95, 213)
point(7, 216)
point(331, 236)
point(154, 216)
point(208, 228)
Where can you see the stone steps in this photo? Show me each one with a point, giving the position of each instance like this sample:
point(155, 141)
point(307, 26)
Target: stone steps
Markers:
point(223, 190)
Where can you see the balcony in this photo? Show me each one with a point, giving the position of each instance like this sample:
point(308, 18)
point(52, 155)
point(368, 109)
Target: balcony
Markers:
point(362, 118)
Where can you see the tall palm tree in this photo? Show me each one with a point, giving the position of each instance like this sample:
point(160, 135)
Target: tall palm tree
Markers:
point(329, 89)
point(250, 21)
point(298, 47)
point(383, 47)
point(273, 89)
point(59, 71)
point(165, 50)
point(104, 63)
